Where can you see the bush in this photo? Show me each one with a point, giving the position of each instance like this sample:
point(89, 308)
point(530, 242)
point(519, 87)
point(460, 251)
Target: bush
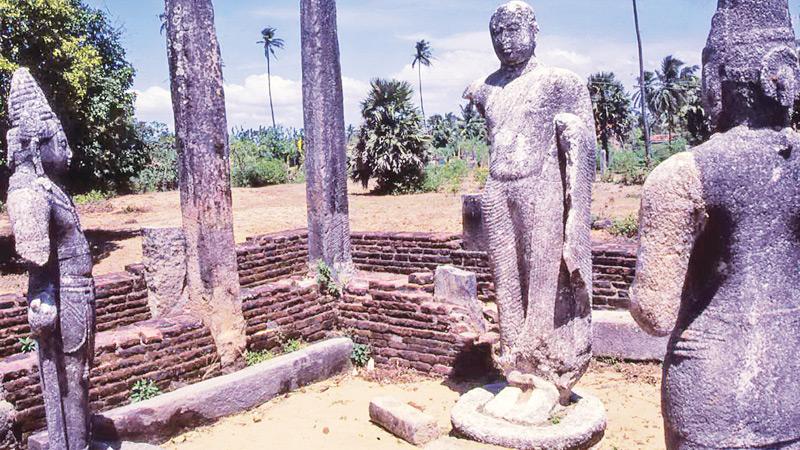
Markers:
point(292, 345)
point(252, 358)
point(627, 227)
point(448, 177)
point(144, 390)
point(481, 175)
point(326, 280)
point(161, 172)
point(92, 197)
point(360, 355)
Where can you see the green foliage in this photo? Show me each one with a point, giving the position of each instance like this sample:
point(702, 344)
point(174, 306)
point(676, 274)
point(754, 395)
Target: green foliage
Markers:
point(266, 156)
point(144, 390)
point(326, 280)
point(447, 177)
point(252, 358)
point(612, 109)
point(292, 345)
point(392, 148)
point(627, 227)
point(27, 345)
point(90, 197)
point(668, 91)
point(481, 175)
point(555, 420)
point(360, 355)
point(161, 172)
point(74, 52)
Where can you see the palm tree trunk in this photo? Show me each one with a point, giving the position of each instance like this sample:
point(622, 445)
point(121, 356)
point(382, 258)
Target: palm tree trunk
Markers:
point(646, 127)
point(421, 102)
point(269, 89)
point(604, 159)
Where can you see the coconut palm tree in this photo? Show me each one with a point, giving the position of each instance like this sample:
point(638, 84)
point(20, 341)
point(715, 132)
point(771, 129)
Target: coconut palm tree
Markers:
point(675, 81)
point(422, 57)
point(271, 43)
point(643, 97)
point(611, 106)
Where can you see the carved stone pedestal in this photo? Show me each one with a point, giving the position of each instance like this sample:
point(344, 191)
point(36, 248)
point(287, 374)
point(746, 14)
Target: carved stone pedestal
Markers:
point(507, 416)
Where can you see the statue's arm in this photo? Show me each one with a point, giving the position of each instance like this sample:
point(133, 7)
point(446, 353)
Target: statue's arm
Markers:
point(29, 212)
point(475, 93)
point(672, 215)
point(576, 144)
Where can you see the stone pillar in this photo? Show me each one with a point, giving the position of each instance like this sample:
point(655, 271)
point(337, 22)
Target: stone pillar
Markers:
point(164, 260)
point(326, 155)
point(460, 288)
point(201, 133)
point(473, 234)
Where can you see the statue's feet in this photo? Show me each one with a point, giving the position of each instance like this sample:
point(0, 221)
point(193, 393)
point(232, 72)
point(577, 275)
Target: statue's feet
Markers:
point(527, 400)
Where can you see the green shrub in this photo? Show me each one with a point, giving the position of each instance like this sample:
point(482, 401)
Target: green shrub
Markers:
point(481, 175)
point(292, 345)
point(144, 390)
point(360, 355)
point(252, 358)
point(626, 227)
point(260, 172)
point(27, 345)
point(92, 197)
point(161, 172)
point(447, 177)
point(326, 280)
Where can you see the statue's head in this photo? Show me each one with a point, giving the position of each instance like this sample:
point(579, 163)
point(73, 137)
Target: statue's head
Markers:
point(42, 140)
point(513, 27)
point(750, 65)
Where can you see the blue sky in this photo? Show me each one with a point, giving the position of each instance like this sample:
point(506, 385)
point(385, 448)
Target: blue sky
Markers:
point(377, 39)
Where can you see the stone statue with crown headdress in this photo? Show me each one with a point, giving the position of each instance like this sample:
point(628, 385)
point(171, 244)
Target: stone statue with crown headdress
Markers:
point(537, 212)
point(61, 295)
point(720, 245)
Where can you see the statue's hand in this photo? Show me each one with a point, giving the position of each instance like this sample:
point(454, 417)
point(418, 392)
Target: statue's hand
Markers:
point(42, 315)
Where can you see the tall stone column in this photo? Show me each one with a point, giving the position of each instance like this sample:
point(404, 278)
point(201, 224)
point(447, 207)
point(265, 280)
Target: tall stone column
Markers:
point(326, 155)
point(201, 132)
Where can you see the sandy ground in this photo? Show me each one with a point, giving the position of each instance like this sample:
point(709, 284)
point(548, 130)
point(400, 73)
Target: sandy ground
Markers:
point(112, 226)
point(335, 414)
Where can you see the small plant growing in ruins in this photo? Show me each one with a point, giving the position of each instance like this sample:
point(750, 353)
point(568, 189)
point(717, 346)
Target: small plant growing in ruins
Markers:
point(27, 345)
point(361, 354)
point(627, 227)
point(555, 420)
point(144, 390)
point(292, 345)
point(326, 280)
point(252, 358)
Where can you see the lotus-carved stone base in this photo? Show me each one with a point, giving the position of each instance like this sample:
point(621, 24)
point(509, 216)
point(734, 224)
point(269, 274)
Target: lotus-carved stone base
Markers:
point(501, 415)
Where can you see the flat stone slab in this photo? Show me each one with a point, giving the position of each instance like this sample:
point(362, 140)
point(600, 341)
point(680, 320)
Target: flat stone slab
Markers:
point(581, 426)
point(403, 420)
point(39, 442)
point(616, 335)
point(163, 417)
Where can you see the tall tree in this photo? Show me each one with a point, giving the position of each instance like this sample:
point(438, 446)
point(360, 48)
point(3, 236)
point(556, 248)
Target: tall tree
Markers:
point(674, 83)
point(201, 134)
point(648, 153)
point(271, 43)
point(76, 55)
point(611, 106)
point(422, 57)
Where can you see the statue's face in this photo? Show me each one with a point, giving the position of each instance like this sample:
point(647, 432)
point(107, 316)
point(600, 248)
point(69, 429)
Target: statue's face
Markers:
point(513, 35)
point(56, 154)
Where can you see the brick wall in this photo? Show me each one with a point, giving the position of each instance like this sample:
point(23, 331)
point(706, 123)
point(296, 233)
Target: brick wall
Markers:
point(167, 351)
point(405, 326)
point(121, 300)
point(614, 263)
point(271, 257)
point(293, 308)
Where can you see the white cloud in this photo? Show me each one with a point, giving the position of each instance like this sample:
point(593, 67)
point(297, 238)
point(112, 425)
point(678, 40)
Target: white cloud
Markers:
point(247, 103)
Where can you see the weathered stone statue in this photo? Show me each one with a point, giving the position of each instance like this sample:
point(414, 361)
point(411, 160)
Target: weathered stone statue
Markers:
point(536, 208)
point(326, 154)
point(61, 309)
point(720, 246)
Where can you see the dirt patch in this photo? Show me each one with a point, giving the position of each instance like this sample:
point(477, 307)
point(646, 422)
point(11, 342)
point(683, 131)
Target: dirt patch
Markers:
point(335, 413)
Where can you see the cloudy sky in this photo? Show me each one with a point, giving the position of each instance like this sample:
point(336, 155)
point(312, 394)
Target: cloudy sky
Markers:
point(377, 40)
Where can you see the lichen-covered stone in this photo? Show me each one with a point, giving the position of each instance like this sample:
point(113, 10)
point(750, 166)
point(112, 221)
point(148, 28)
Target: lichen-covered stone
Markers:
point(718, 261)
point(164, 260)
point(324, 139)
point(48, 235)
point(201, 135)
point(536, 205)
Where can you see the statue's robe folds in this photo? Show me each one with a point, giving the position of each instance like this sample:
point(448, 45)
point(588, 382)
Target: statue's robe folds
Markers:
point(537, 207)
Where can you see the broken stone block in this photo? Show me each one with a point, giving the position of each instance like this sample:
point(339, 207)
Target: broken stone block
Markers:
point(460, 288)
point(403, 420)
point(164, 260)
point(473, 233)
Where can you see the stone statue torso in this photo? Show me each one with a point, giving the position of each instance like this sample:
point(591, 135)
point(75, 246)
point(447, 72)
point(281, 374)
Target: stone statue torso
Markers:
point(519, 115)
point(738, 329)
